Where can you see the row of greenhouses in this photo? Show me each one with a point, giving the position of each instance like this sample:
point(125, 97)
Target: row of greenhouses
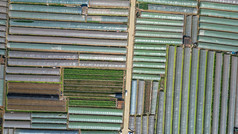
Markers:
point(160, 23)
point(3, 23)
point(65, 65)
point(199, 96)
point(218, 27)
point(76, 118)
point(193, 100)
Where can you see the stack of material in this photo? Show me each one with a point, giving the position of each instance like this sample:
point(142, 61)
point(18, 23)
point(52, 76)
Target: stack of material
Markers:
point(218, 25)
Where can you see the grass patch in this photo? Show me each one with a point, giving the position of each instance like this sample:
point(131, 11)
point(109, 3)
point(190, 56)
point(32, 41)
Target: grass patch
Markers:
point(143, 6)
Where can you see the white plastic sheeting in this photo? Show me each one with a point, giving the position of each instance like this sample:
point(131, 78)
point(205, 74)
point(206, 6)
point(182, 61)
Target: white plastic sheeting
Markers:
point(32, 78)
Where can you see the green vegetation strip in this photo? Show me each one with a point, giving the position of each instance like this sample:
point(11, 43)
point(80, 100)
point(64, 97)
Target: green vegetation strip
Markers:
point(143, 6)
point(92, 77)
point(96, 82)
point(92, 103)
point(92, 98)
point(68, 91)
point(83, 71)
